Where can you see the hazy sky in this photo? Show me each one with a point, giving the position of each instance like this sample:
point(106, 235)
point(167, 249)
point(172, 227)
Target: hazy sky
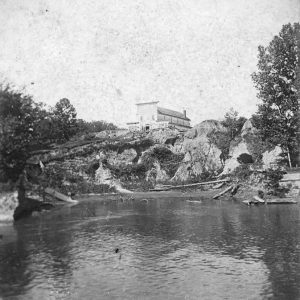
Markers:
point(106, 55)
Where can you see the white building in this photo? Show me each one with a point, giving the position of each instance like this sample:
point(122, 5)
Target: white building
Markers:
point(150, 115)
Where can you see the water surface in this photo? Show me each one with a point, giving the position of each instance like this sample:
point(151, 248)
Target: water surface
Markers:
point(164, 248)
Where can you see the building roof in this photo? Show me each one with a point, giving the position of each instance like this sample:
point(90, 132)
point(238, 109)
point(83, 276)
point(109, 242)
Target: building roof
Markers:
point(172, 113)
point(150, 102)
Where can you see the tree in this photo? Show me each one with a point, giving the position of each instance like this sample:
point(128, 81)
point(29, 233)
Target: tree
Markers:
point(278, 89)
point(233, 123)
point(64, 119)
point(19, 119)
point(94, 126)
point(222, 139)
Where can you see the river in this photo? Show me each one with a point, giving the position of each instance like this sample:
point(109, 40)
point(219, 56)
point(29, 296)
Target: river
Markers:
point(153, 248)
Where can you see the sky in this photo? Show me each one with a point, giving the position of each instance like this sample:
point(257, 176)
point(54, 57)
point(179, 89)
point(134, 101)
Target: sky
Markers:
point(107, 55)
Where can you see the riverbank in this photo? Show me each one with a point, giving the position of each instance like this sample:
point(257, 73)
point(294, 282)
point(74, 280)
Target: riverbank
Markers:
point(188, 193)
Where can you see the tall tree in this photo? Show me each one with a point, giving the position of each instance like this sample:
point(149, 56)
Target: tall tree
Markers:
point(19, 120)
point(64, 119)
point(278, 89)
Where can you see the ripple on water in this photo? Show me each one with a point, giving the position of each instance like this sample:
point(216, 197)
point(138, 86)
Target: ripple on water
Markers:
point(167, 249)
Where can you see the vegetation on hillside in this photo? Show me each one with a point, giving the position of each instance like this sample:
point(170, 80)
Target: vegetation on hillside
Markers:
point(278, 84)
point(26, 125)
point(233, 125)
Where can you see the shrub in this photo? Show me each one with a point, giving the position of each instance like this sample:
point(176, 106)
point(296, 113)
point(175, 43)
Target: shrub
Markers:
point(256, 146)
point(245, 158)
point(168, 160)
point(242, 172)
point(128, 172)
point(272, 178)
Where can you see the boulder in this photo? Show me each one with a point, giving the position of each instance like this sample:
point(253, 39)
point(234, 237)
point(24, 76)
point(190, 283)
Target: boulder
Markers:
point(8, 203)
point(126, 157)
point(104, 176)
point(156, 174)
point(163, 135)
point(248, 128)
point(201, 155)
point(238, 148)
point(184, 173)
point(161, 175)
point(272, 158)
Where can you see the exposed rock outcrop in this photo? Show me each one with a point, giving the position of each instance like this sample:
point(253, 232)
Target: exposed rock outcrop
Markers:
point(234, 153)
point(104, 176)
point(238, 147)
point(163, 135)
point(126, 157)
point(250, 146)
point(8, 203)
point(201, 155)
point(156, 174)
point(272, 158)
point(248, 128)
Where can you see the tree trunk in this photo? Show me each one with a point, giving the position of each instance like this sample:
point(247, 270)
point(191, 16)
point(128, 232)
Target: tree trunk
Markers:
point(289, 158)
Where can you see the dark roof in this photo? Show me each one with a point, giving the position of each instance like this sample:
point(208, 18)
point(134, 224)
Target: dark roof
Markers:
point(150, 102)
point(172, 113)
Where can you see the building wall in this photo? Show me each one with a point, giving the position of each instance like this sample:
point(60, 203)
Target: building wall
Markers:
point(147, 113)
point(173, 120)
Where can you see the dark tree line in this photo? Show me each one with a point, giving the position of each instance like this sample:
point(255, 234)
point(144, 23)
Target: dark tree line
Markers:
point(26, 125)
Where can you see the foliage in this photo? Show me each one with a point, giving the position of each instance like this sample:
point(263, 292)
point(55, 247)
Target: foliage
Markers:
point(58, 177)
point(245, 158)
point(233, 123)
point(205, 175)
point(277, 118)
point(64, 120)
point(92, 168)
point(128, 172)
point(242, 172)
point(222, 139)
point(272, 178)
point(168, 160)
point(256, 146)
point(94, 126)
point(20, 131)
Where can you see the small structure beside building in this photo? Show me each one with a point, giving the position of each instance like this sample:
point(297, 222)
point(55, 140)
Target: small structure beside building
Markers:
point(150, 116)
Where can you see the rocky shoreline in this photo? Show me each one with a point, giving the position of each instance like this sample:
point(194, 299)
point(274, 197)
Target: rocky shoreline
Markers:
point(138, 162)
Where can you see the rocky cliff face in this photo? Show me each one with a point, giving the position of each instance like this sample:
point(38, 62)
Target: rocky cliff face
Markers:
point(249, 148)
point(158, 156)
point(201, 156)
point(140, 160)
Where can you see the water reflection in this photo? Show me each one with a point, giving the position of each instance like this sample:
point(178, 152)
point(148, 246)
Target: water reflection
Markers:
point(168, 248)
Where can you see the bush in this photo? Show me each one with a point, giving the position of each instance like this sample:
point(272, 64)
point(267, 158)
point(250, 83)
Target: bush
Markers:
point(84, 187)
point(128, 172)
point(256, 146)
point(245, 158)
point(168, 160)
point(272, 179)
point(242, 172)
point(92, 168)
